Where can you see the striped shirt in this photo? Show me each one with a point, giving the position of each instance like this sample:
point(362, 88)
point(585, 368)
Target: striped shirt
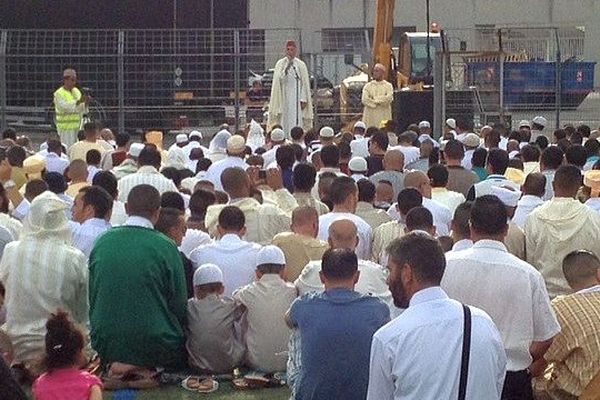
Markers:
point(574, 355)
point(146, 175)
point(85, 234)
point(41, 276)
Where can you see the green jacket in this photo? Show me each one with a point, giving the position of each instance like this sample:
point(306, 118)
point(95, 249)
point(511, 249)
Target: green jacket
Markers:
point(137, 298)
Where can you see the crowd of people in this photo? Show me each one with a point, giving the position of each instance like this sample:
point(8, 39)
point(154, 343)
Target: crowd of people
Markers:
point(364, 264)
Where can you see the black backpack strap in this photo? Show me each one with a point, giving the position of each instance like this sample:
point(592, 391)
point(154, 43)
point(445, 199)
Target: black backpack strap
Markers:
point(466, 350)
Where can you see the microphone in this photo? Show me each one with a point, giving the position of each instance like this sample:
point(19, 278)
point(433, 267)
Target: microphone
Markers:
point(289, 65)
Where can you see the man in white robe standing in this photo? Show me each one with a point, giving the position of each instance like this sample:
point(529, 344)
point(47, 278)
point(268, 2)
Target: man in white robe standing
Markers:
point(291, 103)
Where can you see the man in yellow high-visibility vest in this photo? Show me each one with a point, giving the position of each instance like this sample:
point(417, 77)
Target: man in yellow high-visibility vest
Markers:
point(69, 106)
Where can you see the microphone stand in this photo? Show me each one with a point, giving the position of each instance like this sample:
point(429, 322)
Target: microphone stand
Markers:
point(297, 95)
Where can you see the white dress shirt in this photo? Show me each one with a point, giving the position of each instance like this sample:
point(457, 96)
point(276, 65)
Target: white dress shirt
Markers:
point(119, 215)
point(365, 233)
point(467, 161)
point(85, 235)
point(593, 203)
point(55, 163)
point(442, 216)
point(433, 324)
point(525, 206)
point(510, 290)
point(269, 156)
point(485, 187)
point(142, 222)
point(213, 174)
point(235, 257)
point(463, 244)
point(147, 175)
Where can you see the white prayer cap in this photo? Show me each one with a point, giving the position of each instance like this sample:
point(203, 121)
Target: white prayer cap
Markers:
point(539, 120)
point(181, 138)
point(424, 124)
point(326, 132)
point(357, 164)
point(471, 140)
point(524, 123)
point(277, 135)
point(270, 255)
point(508, 196)
point(47, 216)
point(69, 73)
point(451, 122)
point(236, 144)
point(360, 124)
point(197, 134)
point(135, 149)
point(207, 273)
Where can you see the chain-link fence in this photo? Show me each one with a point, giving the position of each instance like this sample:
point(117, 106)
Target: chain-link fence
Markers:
point(511, 74)
point(167, 79)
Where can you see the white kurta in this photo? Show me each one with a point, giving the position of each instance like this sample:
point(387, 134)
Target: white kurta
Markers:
point(291, 87)
point(377, 98)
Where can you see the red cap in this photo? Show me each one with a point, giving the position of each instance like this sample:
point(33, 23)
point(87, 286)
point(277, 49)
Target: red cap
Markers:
point(290, 43)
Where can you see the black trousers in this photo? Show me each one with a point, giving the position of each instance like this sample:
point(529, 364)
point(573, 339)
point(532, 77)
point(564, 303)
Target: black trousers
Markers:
point(517, 386)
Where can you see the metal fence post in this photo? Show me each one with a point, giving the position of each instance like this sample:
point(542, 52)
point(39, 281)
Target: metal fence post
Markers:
point(558, 78)
point(3, 100)
point(438, 98)
point(121, 80)
point(313, 65)
point(236, 74)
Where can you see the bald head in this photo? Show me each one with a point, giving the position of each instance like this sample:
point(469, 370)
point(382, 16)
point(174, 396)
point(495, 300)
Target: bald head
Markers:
point(379, 72)
point(535, 184)
point(393, 160)
point(581, 269)
point(78, 171)
point(236, 183)
point(305, 221)
point(426, 148)
point(419, 181)
point(343, 235)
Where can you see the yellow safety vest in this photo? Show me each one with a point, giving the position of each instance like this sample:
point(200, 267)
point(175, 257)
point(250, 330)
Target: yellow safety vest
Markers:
point(67, 121)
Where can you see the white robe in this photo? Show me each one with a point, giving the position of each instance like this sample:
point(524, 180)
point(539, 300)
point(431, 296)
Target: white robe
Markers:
point(287, 93)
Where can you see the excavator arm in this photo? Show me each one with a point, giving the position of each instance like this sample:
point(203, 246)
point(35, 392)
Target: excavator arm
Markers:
point(382, 35)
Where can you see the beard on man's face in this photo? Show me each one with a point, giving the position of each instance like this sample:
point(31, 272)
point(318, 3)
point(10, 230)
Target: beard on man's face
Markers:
point(399, 294)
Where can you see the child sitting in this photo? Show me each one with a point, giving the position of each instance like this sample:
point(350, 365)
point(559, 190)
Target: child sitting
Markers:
point(211, 341)
point(64, 356)
point(266, 302)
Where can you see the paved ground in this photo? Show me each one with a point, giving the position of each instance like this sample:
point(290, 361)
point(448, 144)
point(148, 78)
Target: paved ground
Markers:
point(225, 391)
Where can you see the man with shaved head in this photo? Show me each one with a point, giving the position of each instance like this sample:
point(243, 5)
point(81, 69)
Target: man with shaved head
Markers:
point(343, 235)
point(422, 164)
point(393, 167)
point(533, 190)
point(263, 221)
point(301, 245)
point(442, 216)
point(377, 96)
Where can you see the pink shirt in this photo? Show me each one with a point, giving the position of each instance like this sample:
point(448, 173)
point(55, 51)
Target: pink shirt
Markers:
point(65, 384)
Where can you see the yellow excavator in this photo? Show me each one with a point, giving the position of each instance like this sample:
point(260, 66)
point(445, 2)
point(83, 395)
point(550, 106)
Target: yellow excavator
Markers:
point(410, 71)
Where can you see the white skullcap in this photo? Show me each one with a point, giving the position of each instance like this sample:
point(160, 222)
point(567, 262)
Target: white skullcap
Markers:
point(207, 273)
point(540, 121)
point(424, 124)
point(181, 138)
point(197, 134)
point(277, 135)
point(357, 164)
point(525, 123)
point(236, 144)
point(509, 197)
point(270, 255)
point(471, 140)
point(69, 73)
point(451, 122)
point(326, 132)
point(360, 124)
point(135, 149)
point(47, 216)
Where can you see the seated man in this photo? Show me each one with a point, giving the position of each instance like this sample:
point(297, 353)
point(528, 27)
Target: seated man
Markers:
point(42, 273)
point(335, 356)
point(573, 356)
point(138, 290)
point(266, 302)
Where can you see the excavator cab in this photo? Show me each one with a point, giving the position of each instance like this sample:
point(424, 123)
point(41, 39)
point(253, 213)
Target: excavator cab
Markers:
point(414, 67)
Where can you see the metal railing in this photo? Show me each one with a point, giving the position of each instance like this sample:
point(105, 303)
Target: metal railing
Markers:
point(165, 79)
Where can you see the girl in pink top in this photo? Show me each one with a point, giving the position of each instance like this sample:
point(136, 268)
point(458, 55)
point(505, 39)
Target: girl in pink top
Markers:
point(64, 356)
